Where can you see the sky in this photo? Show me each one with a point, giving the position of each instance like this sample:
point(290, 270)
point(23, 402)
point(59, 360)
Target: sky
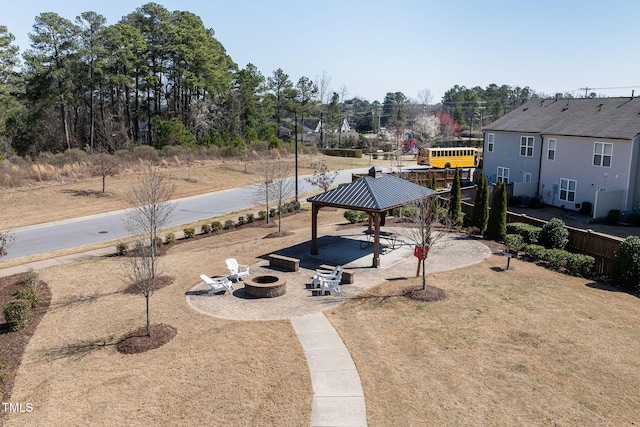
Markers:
point(367, 48)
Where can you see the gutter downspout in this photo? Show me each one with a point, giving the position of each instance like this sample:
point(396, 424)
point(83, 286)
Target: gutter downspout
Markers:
point(540, 165)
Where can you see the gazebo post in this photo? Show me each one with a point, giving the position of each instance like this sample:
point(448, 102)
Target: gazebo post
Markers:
point(376, 239)
point(314, 228)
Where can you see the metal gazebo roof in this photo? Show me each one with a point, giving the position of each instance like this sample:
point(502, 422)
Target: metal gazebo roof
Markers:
point(374, 194)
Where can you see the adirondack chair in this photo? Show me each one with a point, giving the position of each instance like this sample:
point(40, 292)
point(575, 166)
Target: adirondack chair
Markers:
point(331, 284)
point(236, 271)
point(217, 284)
point(328, 274)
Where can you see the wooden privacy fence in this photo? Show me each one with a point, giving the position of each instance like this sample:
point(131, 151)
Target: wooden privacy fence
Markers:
point(602, 247)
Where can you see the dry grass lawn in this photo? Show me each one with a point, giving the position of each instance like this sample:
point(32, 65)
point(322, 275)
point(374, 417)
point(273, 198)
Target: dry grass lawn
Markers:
point(214, 372)
point(525, 346)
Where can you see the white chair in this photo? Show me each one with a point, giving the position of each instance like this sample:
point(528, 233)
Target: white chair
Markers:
point(237, 271)
point(331, 285)
point(327, 274)
point(217, 284)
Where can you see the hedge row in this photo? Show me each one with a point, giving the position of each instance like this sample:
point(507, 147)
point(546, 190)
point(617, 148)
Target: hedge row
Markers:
point(19, 312)
point(190, 232)
point(579, 264)
point(342, 152)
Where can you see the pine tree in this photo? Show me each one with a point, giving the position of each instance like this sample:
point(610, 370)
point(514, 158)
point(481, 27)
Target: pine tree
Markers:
point(481, 205)
point(497, 224)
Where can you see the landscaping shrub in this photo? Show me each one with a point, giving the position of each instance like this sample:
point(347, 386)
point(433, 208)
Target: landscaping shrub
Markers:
point(18, 314)
point(554, 235)
point(121, 248)
point(354, 216)
point(250, 218)
point(262, 214)
point(158, 241)
point(534, 251)
point(556, 258)
point(29, 294)
point(626, 264)
point(513, 242)
point(229, 224)
point(189, 233)
point(294, 205)
point(273, 212)
point(530, 233)
point(241, 220)
point(169, 238)
point(342, 152)
point(216, 226)
point(30, 278)
point(580, 264)
point(206, 228)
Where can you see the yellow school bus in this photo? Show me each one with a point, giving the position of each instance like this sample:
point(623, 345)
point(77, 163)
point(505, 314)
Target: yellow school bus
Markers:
point(448, 157)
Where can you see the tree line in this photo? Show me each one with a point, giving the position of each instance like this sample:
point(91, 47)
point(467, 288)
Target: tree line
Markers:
point(159, 77)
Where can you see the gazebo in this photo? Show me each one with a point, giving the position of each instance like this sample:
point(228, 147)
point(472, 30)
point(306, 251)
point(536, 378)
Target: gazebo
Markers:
point(374, 194)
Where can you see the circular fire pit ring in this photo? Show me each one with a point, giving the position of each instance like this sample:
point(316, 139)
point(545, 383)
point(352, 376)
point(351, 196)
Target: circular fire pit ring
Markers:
point(265, 286)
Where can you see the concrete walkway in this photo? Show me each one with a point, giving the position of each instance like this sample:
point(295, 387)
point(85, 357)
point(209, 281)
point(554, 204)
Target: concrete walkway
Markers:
point(338, 398)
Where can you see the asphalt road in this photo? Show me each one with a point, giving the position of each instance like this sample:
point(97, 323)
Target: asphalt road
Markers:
point(92, 229)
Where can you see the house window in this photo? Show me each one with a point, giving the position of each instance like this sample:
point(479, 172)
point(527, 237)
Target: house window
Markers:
point(551, 149)
point(503, 174)
point(602, 154)
point(526, 146)
point(526, 177)
point(490, 137)
point(567, 190)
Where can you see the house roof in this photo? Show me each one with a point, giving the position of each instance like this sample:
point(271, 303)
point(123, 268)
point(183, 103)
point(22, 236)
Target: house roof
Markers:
point(373, 193)
point(616, 118)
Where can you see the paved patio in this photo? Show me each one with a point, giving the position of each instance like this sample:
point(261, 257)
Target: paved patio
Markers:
point(343, 248)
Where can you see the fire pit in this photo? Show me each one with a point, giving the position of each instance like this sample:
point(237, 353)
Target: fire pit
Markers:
point(265, 286)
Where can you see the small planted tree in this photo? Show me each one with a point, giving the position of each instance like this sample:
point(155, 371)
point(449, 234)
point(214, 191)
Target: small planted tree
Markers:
point(150, 210)
point(497, 222)
point(455, 200)
point(5, 241)
point(322, 177)
point(426, 229)
point(481, 206)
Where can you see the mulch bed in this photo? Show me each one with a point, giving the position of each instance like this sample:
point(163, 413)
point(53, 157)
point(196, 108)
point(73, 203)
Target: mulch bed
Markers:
point(429, 294)
point(138, 341)
point(13, 344)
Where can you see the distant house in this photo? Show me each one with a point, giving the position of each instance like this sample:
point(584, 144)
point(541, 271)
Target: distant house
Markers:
point(580, 154)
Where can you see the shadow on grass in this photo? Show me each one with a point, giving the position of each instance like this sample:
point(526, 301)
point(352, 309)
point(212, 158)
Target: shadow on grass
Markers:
point(603, 286)
point(78, 349)
point(80, 300)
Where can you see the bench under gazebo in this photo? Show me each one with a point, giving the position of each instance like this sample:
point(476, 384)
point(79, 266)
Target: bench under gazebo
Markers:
point(374, 194)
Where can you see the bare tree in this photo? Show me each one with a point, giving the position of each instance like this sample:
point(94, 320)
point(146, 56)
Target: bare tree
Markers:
point(276, 185)
point(264, 189)
point(103, 166)
point(322, 177)
point(282, 185)
point(429, 226)
point(150, 210)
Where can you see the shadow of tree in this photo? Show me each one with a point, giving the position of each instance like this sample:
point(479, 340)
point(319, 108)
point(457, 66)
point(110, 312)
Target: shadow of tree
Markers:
point(78, 349)
point(78, 301)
